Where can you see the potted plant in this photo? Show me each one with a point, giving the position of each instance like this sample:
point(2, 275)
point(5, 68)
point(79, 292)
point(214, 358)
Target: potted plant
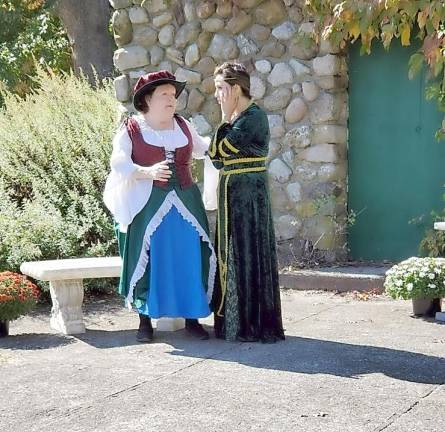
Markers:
point(17, 297)
point(419, 279)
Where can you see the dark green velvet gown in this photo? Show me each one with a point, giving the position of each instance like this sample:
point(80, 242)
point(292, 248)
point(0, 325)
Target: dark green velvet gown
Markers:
point(246, 298)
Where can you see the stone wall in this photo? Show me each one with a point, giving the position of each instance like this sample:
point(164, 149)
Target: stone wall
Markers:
point(302, 87)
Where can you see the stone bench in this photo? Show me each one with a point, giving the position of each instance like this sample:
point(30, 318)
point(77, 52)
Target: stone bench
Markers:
point(65, 277)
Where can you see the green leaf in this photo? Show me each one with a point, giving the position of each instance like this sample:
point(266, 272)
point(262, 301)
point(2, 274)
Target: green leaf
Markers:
point(415, 65)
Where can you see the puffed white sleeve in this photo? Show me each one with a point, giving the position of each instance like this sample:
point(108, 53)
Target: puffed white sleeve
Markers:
point(200, 144)
point(124, 195)
point(211, 174)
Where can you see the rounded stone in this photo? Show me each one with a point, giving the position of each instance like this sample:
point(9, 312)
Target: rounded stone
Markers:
point(259, 32)
point(274, 149)
point(189, 10)
point(326, 108)
point(182, 101)
point(162, 20)
point(305, 171)
point(239, 22)
point(205, 9)
point(224, 8)
point(294, 191)
point(166, 65)
point(320, 153)
point(299, 68)
point(273, 49)
point(208, 85)
point(156, 55)
point(191, 55)
point(279, 171)
point(278, 99)
point(122, 88)
point(331, 134)
point(196, 99)
point(310, 91)
point(206, 66)
point(328, 172)
point(246, 46)
point(122, 29)
point(223, 48)
point(191, 77)
point(213, 25)
point(270, 12)
point(296, 111)
point(257, 87)
point(189, 32)
point(175, 55)
point(201, 124)
point(301, 51)
point(212, 111)
point(276, 125)
point(299, 137)
point(284, 31)
point(144, 36)
point(263, 66)
point(130, 57)
point(155, 6)
point(138, 15)
point(204, 41)
point(281, 74)
point(166, 35)
point(328, 64)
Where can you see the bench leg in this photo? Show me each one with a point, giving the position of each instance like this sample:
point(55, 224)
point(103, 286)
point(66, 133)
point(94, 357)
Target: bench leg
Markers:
point(170, 324)
point(66, 313)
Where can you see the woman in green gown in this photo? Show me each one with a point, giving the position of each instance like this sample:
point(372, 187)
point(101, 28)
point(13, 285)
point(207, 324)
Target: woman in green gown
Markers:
point(246, 299)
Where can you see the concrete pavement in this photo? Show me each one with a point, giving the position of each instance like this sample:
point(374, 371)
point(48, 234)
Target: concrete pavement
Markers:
point(346, 365)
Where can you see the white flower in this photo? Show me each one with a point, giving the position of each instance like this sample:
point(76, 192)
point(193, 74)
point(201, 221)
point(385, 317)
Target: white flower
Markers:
point(431, 276)
point(438, 270)
point(422, 274)
point(399, 283)
point(409, 286)
point(432, 285)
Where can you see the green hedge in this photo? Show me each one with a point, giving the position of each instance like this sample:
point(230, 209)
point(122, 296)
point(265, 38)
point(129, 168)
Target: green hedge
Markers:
point(54, 156)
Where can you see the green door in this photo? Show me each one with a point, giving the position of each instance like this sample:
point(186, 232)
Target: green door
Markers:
point(396, 166)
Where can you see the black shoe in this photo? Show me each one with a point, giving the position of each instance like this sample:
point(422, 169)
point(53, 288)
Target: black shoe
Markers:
point(196, 329)
point(145, 331)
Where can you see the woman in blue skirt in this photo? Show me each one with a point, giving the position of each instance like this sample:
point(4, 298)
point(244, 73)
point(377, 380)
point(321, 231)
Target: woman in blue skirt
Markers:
point(169, 263)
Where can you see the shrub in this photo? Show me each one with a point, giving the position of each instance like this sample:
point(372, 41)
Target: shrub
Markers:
point(54, 157)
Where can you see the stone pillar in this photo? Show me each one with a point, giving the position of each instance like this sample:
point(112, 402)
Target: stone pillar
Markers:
point(301, 85)
point(66, 312)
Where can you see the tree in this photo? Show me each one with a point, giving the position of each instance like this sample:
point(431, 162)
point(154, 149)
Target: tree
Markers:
point(86, 22)
point(29, 33)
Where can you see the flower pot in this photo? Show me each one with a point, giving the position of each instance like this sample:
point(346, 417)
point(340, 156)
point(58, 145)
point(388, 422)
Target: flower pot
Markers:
point(4, 328)
point(426, 307)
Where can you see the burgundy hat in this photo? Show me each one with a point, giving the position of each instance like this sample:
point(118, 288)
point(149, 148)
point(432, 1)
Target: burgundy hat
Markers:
point(153, 79)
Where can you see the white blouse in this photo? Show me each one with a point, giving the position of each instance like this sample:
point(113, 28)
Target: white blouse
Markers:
point(124, 195)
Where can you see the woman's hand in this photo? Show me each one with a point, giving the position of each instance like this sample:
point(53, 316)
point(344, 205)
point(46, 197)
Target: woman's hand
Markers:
point(228, 101)
point(159, 171)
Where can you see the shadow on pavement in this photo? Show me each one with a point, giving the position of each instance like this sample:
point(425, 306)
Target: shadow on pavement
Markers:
point(295, 354)
point(35, 341)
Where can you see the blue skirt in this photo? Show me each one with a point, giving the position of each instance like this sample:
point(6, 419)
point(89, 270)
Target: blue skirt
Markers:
point(176, 285)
